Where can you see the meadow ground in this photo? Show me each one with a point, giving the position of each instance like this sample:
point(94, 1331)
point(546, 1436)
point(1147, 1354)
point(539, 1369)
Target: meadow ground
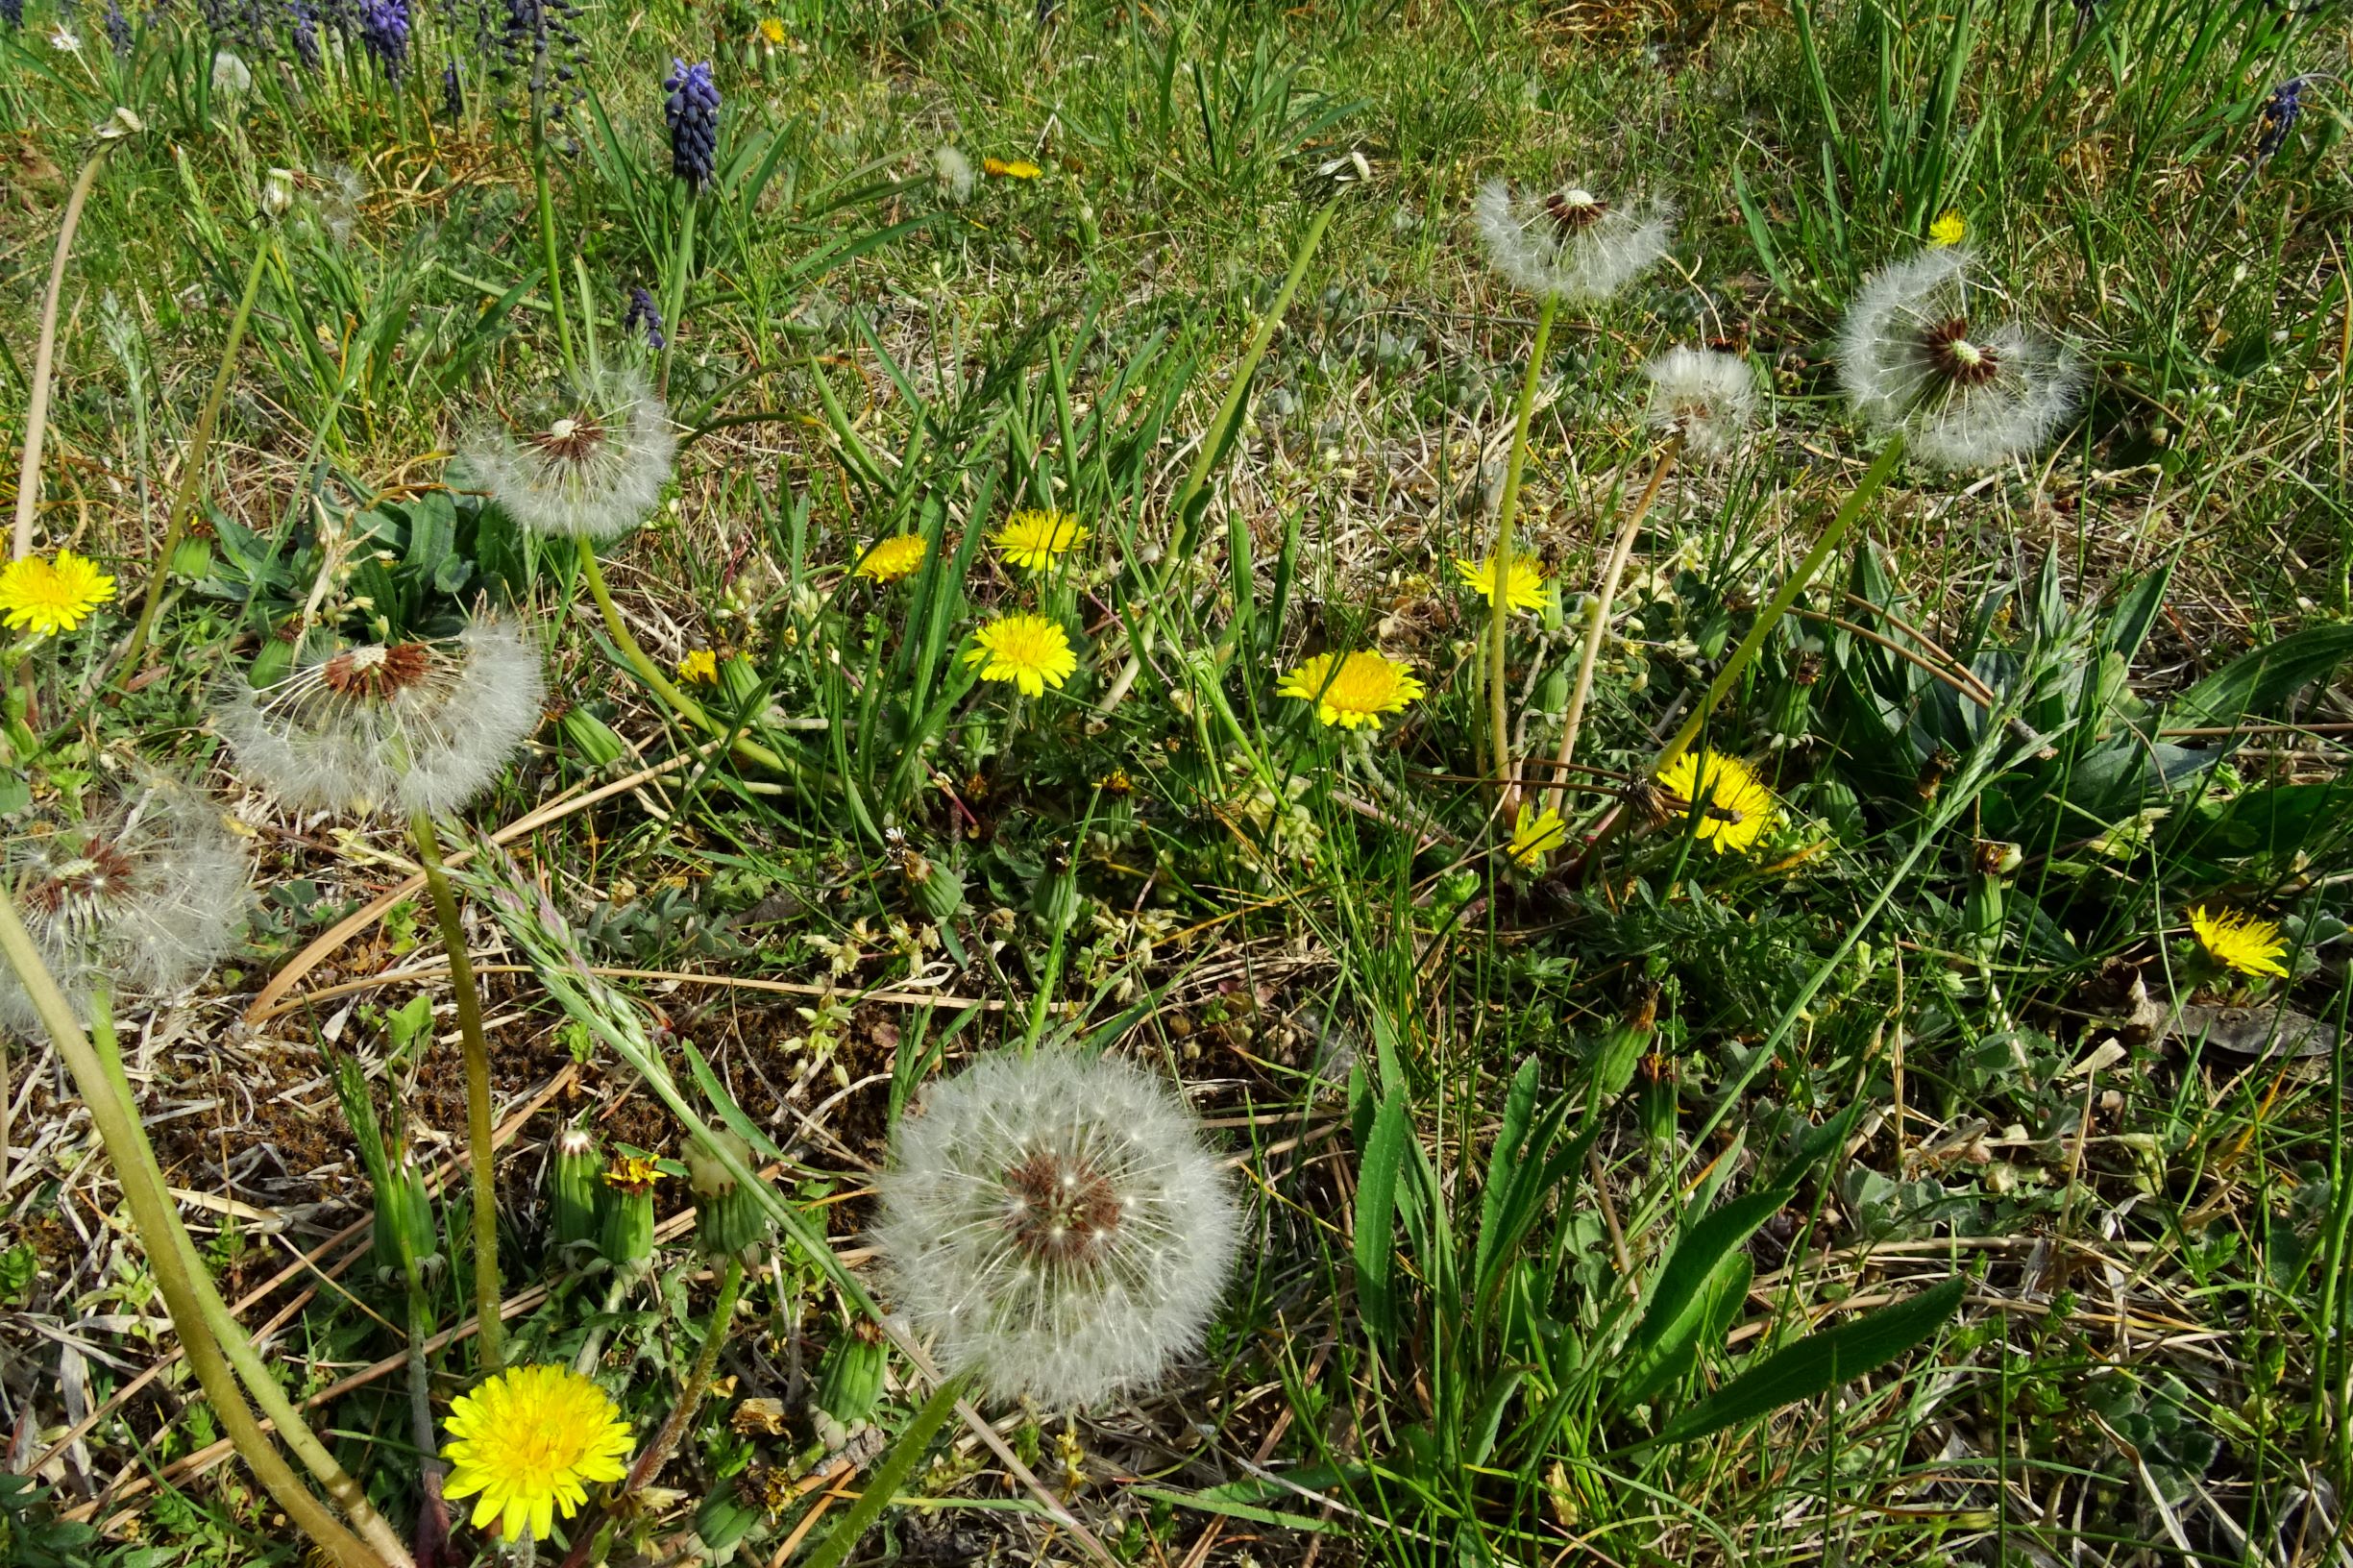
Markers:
point(865, 564)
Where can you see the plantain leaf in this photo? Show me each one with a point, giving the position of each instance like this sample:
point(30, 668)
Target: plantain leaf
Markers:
point(1383, 1155)
point(1817, 1363)
point(1519, 1108)
point(1667, 1341)
point(2259, 681)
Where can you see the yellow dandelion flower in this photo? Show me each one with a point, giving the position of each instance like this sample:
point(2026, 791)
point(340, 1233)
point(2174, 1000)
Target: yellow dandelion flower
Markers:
point(1035, 540)
point(892, 558)
point(772, 30)
point(1012, 168)
point(1535, 834)
point(1353, 689)
point(43, 595)
point(631, 1173)
point(1734, 807)
point(1527, 590)
point(700, 666)
point(1949, 229)
point(1029, 651)
point(530, 1440)
point(2240, 942)
point(1115, 782)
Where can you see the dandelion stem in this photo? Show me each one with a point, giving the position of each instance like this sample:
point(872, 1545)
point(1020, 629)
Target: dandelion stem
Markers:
point(154, 1217)
point(547, 239)
point(883, 1482)
point(192, 466)
point(432, 1513)
point(36, 403)
point(1499, 621)
point(683, 705)
point(1770, 615)
point(673, 1427)
point(1590, 654)
point(478, 1130)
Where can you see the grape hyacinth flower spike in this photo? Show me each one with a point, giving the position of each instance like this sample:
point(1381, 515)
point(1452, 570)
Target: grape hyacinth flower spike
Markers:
point(384, 27)
point(118, 29)
point(1917, 354)
point(643, 313)
point(692, 111)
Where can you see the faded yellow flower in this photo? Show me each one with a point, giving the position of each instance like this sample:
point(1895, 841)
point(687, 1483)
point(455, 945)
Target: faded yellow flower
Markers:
point(700, 666)
point(631, 1173)
point(1353, 689)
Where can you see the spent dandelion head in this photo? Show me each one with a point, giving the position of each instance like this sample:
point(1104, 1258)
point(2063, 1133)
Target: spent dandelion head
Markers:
point(143, 894)
point(2240, 942)
point(399, 726)
point(1705, 397)
point(1729, 807)
point(1029, 651)
point(1923, 350)
point(527, 1444)
point(588, 461)
point(1570, 243)
point(952, 172)
point(1036, 538)
point(887, 560)
point(1527, 588)
point(1053, 1224)
point(48, 595)
point(1355, 688)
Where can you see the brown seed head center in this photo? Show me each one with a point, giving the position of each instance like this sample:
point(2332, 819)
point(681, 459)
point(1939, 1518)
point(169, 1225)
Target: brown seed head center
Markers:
point(1573, 211)
point(376, 671)
point(1058, 1210)
point(99, 873)
point(572, 439)
point(1956, 358)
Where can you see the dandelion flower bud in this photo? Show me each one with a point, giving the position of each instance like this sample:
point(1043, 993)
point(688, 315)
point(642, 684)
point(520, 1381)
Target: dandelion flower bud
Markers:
point(588, 462)
point(728, 1220)
point(1919, 353)
point(1054, 1224)
point(1569, 243)
point(1706, 398)
point(145, 895)
point(407, 726)
point(572, 1187)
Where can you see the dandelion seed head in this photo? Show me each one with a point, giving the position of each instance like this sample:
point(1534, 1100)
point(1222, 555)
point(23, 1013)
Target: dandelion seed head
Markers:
point(399, 727)
point(1055, 1226)
point(1707, 397)
point(1923, 350)
point(588, 462)
point(146, 895)
point(953, 171)
point(1570, 243)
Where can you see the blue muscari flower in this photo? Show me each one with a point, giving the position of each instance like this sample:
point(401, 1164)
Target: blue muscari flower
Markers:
point(13, 12)
point(693, 110)
point(643, 313)
point(453, 95)
point(2280, 112)
point(118, 28)
point(384, 27)
point(303, 31)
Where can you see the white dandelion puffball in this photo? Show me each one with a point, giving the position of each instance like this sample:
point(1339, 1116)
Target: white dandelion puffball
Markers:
point(1570, 243)
point(1054, 1225)
point(401, 726)
point(1915, 353)
point(1705, 397)
point(953, 173)
point(589, 463)
point(231, 77)
point(145, 895)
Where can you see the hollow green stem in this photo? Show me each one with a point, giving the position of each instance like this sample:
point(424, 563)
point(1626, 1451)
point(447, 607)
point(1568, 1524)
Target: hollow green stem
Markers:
point(681, 704)
point(698, 1381)
point(546, 242)
point(154, 1217)
point(192, 467)
point(883, 1482)
point(37, 400)
point(680, 266)
point(1771, 615)
point(479, 1134)
point(1499, 620)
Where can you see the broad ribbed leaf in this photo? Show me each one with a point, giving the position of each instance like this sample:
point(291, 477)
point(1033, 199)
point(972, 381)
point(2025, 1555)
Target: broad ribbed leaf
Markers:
point(1667, 1340)
point(1385, 1153)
